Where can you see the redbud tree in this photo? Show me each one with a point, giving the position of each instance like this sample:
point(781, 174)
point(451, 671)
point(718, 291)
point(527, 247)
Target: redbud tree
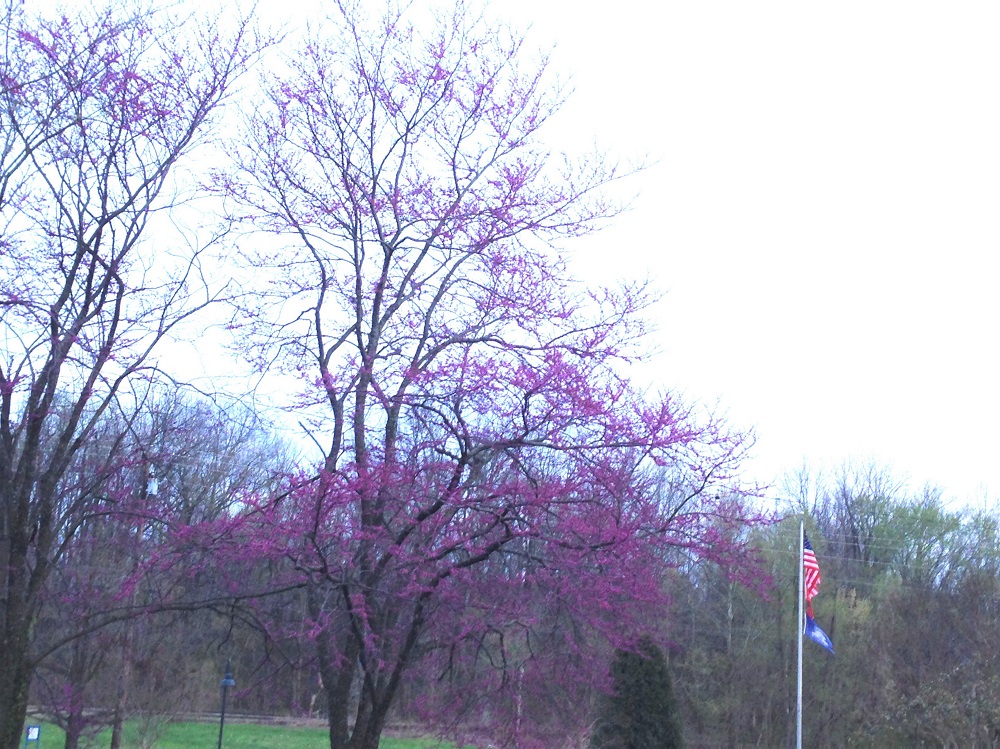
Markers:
point(488, 470)
point(98, 112)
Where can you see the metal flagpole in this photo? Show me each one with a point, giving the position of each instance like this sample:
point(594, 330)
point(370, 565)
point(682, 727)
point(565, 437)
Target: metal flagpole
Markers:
point(798, 704)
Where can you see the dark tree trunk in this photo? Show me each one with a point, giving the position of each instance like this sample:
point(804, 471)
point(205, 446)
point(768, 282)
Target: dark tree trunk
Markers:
point(337, 684)
point(121, 691)
point(16, 671)
point(338, 654)
point(118, 719)
point(74, 729)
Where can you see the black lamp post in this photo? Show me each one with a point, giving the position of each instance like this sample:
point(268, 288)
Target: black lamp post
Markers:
point(227, 682)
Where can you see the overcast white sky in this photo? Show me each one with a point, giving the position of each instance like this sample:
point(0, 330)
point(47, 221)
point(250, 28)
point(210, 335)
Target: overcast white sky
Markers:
point(824, 214)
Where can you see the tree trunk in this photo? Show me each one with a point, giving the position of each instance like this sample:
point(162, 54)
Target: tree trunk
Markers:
point(368, 731)
point(83, 665)
point(337, 652)
point(369, 740)
point(121, 697)
point(74, 729)
point(337, 685)
point(16, 678)
point(17, 617)
point(121, 693)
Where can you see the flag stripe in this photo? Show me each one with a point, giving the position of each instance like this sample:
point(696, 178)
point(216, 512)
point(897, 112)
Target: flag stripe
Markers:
point(812, 576)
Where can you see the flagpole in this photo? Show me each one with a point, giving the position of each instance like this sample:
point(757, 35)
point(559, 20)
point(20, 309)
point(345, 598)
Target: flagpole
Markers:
point(798, 703)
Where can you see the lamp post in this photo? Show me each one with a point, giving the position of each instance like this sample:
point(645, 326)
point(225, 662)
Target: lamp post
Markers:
point(226, 682)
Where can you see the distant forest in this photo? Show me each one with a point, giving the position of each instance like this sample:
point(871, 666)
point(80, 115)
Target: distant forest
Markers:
point(910, 596)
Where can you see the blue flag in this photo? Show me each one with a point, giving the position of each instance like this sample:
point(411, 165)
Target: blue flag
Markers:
point(817, 635)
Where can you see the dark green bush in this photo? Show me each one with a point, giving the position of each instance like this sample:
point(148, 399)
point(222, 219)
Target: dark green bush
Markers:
point(641, 712)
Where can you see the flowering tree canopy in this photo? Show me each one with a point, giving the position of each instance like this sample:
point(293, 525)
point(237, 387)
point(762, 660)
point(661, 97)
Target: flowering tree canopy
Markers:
point(486, 462)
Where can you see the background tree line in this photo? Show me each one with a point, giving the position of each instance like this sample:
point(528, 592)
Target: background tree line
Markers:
point(912, 603)
point(910, 597)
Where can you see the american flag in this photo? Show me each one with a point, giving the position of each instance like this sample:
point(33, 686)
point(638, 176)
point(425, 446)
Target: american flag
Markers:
point(812, 577)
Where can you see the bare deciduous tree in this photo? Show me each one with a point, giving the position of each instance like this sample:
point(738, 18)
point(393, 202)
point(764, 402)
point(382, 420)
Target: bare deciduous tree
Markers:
point(97, 112)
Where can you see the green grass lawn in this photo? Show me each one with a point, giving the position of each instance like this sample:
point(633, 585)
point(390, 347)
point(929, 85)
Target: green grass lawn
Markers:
point(236, 736)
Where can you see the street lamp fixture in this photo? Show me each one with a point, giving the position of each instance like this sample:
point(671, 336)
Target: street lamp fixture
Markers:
point(227, 681)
